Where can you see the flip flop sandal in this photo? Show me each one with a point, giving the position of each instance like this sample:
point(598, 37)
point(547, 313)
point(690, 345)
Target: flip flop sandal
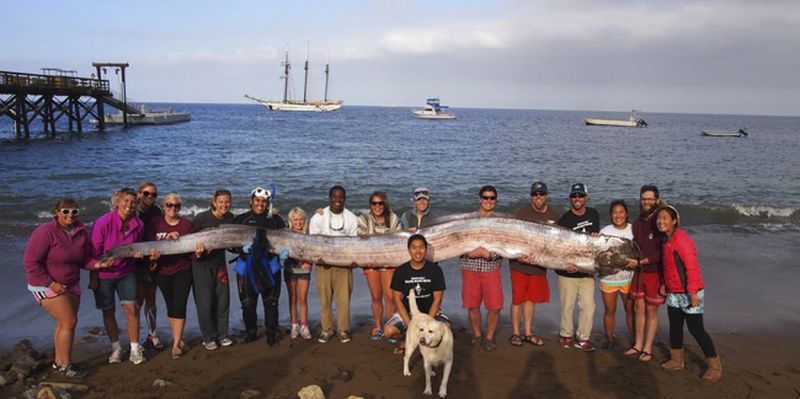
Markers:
point(399, 351)
point(533, 340)
point(632, 351)
point(515, 340)
point(645, 357)
point(489, 345)
point(476, 341)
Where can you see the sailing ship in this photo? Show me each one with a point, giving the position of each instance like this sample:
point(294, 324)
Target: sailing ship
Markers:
point(632, 121)
point(434, 110)
point(306, 105)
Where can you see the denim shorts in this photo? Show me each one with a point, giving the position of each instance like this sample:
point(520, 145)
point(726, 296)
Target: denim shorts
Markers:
point(124, 287)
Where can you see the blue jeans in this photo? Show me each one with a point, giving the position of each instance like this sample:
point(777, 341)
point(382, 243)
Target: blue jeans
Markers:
point(125, 288)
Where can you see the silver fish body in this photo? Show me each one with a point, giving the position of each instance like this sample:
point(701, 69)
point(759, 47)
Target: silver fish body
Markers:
point(549, 246)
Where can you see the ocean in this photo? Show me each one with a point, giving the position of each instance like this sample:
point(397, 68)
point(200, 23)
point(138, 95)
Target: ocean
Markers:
point(738, 197)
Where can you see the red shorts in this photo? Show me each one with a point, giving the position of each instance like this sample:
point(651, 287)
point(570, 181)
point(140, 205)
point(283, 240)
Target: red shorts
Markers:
point(486, 287)
point(529, 288)
point(645, 285)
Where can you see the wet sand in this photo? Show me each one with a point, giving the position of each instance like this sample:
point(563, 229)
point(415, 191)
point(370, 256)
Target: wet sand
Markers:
point(751, 281)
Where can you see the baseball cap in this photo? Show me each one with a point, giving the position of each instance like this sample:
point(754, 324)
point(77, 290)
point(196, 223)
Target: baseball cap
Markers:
point(578, 188)
point(538, 188)
point(261, 193)
point(421, 192)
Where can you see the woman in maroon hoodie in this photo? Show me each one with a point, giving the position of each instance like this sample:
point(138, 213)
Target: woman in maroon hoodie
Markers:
point(174, 271)
point(55, 253)
point(685, 293)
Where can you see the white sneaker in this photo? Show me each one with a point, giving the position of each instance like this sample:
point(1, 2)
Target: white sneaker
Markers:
point(226, 341)
point(295, 330)
point(137, 356)
point(116, 356)
point(304, 332)
point(211, 345)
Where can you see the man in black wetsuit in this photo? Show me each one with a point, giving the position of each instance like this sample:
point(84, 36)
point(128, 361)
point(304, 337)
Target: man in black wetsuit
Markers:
point(269, 289)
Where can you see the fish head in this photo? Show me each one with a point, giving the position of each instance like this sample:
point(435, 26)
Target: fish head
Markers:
point(615, 258)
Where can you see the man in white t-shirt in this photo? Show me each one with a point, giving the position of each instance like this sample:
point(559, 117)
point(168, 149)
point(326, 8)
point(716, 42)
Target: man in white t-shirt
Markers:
point(334, 283)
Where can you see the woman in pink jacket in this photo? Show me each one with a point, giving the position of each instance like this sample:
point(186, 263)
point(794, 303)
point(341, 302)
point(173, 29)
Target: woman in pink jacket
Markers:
point(55, 253)
point(685, 293)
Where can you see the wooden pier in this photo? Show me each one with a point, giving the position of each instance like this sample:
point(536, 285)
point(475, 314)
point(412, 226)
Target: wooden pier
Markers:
point(26, 98)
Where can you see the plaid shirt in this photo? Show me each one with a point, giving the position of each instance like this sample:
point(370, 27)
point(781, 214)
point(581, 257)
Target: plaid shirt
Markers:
point(480, 265)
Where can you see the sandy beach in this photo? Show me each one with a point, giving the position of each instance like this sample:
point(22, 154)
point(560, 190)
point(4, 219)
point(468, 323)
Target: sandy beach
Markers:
point(752, 329)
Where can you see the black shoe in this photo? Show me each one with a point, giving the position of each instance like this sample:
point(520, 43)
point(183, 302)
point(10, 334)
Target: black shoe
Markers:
point(250, 337)
point(271, 339)
point(71, 371)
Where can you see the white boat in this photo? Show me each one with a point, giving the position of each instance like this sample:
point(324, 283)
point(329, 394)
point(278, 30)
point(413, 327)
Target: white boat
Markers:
point(306, 105)
point(724, 133)
point(148, 117)
point(433, 110)
point(632, 121)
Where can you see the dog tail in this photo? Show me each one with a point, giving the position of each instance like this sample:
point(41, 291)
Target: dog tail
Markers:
point(412, 302)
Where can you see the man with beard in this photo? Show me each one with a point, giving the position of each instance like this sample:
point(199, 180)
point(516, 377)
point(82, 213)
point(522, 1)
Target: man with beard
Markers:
point(647, 278)
point(334, 283)
point(257, 279)
point(574, 286)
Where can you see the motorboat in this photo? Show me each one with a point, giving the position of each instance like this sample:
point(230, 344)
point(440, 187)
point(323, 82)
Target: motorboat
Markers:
point(633, 121)
point(148, 117)
point(433, 110)
point(724, 133)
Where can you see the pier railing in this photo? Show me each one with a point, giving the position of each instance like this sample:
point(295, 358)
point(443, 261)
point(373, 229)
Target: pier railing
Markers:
point(28, 82)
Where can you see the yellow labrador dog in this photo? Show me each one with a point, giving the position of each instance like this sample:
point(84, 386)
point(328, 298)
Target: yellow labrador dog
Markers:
point(435, 342)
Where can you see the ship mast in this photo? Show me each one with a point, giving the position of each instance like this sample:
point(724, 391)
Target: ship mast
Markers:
point(327, 72)
point(305, 80)
point(286, 76)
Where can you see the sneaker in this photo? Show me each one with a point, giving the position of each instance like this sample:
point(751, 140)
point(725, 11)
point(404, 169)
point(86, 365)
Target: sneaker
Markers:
point(377, 334)
point(71, 371)
point(305, 332)
point(565, 342)
point(116, 356)
point(585, 346)
point(211, 345)
point(295, 331)
point(154, 342)
point(344, 337)
point(608, 344)
point(325, 337)
point(226, 341)
point(137, 356)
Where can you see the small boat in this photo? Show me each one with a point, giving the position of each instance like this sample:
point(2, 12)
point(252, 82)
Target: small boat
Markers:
point(306, 105)
point(433, 110)
point(724, 133)
point(632, 121)
point(148, 117)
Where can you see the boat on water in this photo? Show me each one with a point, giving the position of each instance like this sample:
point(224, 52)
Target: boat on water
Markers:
point(289, 105)
point(633, 121)
point(434, 110)
point(148, 117)
point(725, 133)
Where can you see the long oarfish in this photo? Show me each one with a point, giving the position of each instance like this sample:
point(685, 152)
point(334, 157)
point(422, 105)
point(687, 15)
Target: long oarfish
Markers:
point(547, 245)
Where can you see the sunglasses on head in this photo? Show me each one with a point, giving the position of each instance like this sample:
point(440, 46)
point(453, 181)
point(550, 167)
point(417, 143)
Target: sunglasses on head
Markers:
point(376, 203)
point(147, 194)
point(577, 195)
point(171, 205)
point(488, 198)
point(67, 211)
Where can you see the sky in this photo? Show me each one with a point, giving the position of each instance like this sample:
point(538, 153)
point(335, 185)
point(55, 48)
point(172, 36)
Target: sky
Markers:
point(699, 56)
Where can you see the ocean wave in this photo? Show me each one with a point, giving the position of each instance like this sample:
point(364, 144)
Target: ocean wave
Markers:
point(765, 211)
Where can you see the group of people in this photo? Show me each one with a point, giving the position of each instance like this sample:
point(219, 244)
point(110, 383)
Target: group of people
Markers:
point(667, 272)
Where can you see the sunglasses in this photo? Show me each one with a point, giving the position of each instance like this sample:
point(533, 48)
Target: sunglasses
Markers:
point(148, 194)
point(488, 198)
point(539, 195)
point(67, 211)
point(171, 205)
point(376, 203)
point(577, 195)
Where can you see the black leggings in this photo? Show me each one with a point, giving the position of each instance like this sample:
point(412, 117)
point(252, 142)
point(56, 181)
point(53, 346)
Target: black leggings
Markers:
point(175, 289)
point(695, 324)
